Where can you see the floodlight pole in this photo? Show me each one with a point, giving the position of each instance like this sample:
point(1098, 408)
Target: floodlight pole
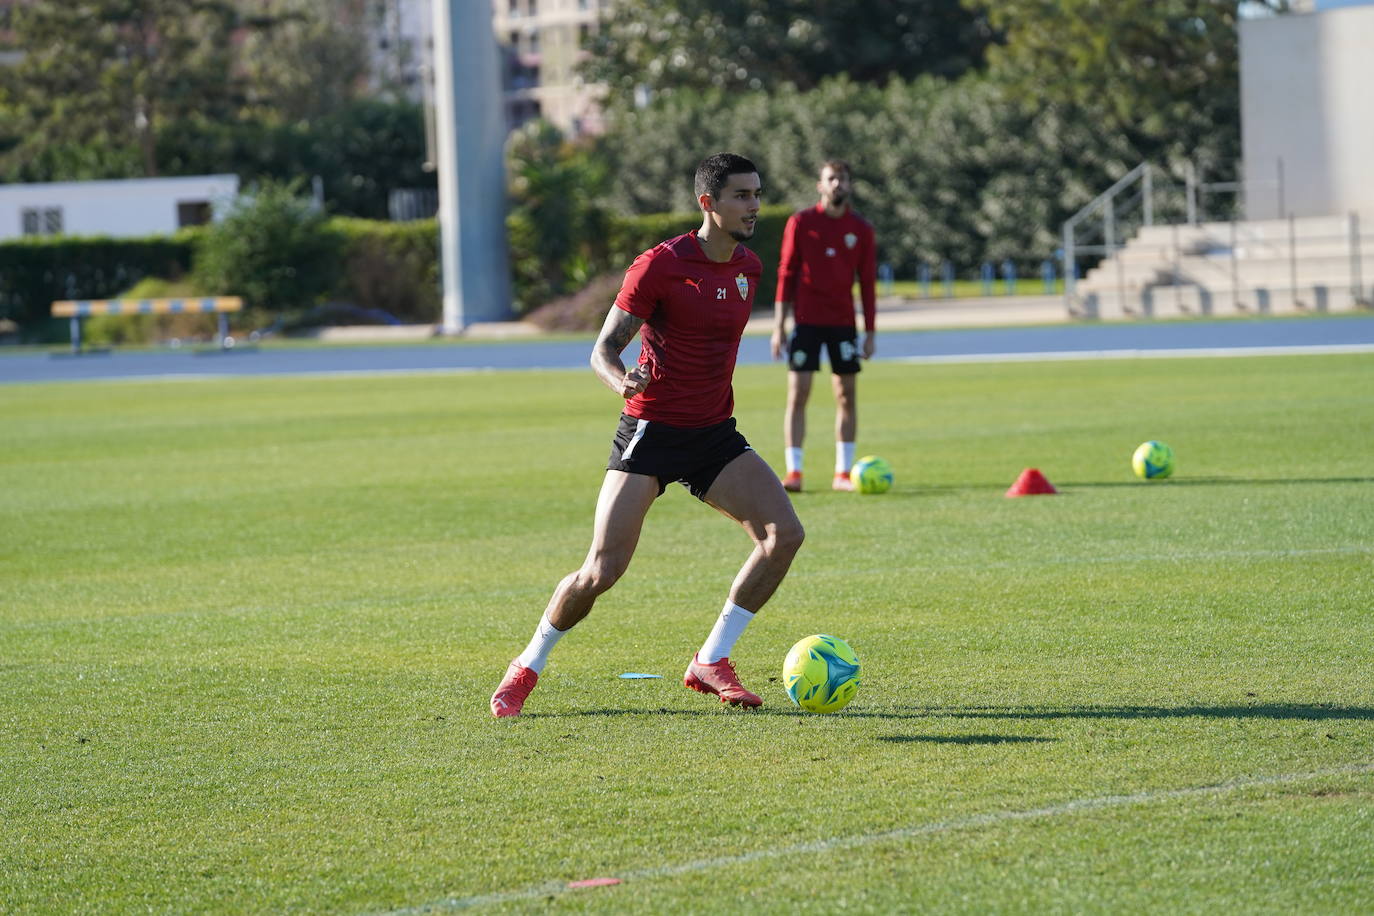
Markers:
point(471, 130)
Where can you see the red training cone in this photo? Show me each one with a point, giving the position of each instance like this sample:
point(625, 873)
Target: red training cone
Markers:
point(1031, 483)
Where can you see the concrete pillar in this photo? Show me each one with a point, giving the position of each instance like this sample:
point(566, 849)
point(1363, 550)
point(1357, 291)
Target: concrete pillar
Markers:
point(471, 134)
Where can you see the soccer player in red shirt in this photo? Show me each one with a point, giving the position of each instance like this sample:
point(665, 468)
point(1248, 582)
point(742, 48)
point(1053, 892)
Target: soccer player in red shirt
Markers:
point(690, 297)
point(823, 249)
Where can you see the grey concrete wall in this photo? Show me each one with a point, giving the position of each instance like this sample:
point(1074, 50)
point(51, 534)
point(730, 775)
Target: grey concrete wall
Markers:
point(1307, 98)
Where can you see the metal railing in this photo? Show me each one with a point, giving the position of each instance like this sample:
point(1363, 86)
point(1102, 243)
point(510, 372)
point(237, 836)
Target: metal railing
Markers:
point(1254, 267)
point(1135, 200)
point(1108, 207)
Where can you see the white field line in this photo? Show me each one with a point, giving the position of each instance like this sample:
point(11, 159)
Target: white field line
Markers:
point(971, 822)
point(1181, 353)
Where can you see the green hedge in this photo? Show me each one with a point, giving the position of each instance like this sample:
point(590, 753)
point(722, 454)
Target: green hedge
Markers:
point(35, 271)
point(391, 266)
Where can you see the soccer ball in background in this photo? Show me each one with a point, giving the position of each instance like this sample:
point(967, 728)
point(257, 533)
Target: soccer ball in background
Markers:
point(1153, 460)
point(821, 673)
point(871, 475)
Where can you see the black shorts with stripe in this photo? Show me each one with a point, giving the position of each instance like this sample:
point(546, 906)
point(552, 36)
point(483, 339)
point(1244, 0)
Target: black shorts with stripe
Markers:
point(840, 343)
point(692, 457)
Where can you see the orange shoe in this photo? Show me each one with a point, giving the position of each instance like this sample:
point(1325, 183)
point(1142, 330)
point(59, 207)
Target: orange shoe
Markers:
point(842, 482)
point(509, 697)
point(792, 482)
point(719, 678)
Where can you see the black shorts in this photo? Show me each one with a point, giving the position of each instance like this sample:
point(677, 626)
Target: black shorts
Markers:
point(841, 344)
point(692, 457)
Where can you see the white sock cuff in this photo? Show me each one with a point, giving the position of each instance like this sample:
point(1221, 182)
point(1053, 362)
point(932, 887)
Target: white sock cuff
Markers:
point(794, 458)
point(844, 457)
point(731, 608)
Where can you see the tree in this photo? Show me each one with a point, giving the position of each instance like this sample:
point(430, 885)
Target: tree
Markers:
point(274, 249)
point(107, 75)
point(302, 59)
point(557, 219)
point(1163, 74)
point(361, 152)
point(666, 45)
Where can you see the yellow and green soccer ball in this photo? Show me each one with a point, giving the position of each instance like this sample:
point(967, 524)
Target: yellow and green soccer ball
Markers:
point(1153, 460)
point(821, 673)
point(871, 475)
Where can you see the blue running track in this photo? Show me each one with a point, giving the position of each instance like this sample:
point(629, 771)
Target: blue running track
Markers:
point(1318, 334)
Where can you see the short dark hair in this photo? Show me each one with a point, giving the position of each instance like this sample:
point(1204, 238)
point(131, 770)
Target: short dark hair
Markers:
point(716, 170)
point(836, 166)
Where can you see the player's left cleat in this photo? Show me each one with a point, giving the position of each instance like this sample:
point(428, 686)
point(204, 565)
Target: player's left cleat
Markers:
point(719, 678)
point(515, 687)
point(792, 482)
point(842, 482)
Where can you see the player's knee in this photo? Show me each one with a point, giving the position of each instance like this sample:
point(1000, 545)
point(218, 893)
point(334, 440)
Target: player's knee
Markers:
point(785, 538)
point(600, 573)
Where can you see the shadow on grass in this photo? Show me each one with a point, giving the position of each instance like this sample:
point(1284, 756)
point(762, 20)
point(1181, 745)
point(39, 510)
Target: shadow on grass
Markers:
point(1214, 481)
point(1296, 711)
point(1275, 711)
point(964, 739)
point(920, 490)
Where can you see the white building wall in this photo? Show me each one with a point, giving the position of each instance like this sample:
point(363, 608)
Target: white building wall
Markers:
point(133, 207)
point(1307, 98)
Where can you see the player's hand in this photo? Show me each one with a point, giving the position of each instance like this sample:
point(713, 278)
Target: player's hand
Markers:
point(869, 346)
point(778, 343)
point(635, 381)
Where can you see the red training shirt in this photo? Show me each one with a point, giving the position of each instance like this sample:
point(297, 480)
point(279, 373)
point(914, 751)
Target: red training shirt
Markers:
point(694, 312)
point(820, 256)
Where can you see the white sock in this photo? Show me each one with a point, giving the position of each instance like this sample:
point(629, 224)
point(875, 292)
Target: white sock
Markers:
point(729, 627)
point(794, 459)
point(536, 654)
point(844, 457)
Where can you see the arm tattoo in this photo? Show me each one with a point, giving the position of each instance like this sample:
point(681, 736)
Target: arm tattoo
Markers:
point(620, 329)
point(616, 334)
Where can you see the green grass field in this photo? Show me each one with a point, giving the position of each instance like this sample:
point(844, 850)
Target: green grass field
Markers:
point(248, 631)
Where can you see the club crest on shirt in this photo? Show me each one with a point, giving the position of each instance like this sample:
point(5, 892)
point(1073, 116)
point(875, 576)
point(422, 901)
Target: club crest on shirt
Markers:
point(850, 240)
point(742, 284)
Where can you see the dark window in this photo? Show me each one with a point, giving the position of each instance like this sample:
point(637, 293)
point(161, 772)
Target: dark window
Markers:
point(193, 212)
point(45, 221)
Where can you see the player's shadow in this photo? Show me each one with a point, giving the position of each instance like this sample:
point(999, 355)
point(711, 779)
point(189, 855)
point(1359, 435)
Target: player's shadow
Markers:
point(1306, 712)
point(964, 739)
point(1314, 712)
point(1211, 482)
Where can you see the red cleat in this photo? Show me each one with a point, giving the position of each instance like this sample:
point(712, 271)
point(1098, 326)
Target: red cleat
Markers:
point(719, 678)
point(509, 698)
point(842, 482)
point(792, 482)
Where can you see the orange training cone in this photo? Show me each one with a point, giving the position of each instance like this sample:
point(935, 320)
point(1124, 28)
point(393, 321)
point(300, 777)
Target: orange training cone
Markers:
point(1031, 483)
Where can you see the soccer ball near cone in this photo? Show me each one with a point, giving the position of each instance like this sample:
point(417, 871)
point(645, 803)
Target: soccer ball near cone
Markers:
point(1153, 460)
